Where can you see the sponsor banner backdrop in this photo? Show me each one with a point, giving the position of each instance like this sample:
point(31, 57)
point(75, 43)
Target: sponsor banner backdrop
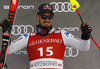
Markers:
point(64, 18)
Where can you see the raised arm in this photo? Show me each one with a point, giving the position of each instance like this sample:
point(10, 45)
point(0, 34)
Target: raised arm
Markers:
point(72, 41)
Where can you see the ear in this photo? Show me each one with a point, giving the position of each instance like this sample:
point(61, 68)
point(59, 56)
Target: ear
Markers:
point(37, 17)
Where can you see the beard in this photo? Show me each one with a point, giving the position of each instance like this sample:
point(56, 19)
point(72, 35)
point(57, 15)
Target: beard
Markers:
point(46, 26)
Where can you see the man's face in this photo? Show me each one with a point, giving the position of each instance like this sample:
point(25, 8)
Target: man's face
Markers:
point(45, 19)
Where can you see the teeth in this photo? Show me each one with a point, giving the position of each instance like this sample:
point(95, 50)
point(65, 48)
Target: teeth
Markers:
point(46, 23)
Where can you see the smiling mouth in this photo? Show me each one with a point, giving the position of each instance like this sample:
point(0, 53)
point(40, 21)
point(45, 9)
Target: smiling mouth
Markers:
point(46, 22)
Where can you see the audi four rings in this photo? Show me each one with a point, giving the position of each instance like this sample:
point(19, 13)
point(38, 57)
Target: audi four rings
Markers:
point(70, 52)
point(62, 7)
point(17, 29)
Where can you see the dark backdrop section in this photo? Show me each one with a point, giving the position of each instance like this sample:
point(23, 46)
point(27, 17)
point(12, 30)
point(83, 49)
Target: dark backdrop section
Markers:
point(64, 18)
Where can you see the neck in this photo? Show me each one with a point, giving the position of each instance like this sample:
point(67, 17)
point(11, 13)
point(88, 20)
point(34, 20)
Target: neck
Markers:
point(43, 31)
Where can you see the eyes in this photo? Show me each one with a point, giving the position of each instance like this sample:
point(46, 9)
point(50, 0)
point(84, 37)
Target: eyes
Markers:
point(45, 17)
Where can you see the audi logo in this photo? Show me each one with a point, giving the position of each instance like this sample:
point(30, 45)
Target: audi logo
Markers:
point(71, 52)
point(21, 29)
point(62, 7)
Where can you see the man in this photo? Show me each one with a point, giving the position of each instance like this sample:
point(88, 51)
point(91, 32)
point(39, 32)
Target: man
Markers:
point(46, 46)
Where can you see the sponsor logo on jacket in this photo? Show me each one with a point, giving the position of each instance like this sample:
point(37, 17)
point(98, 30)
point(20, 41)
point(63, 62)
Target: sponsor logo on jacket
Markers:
point(41, 41)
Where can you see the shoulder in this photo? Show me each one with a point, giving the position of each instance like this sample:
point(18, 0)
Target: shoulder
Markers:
point(59, 31)
point(66, 33)
point(26, 35)
point(53, 30)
